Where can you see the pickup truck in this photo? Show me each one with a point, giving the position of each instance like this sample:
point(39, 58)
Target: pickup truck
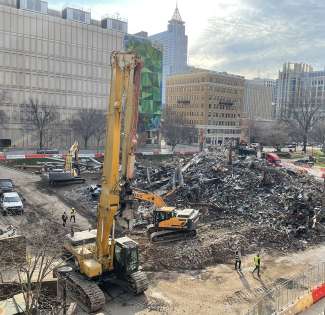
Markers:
point(6, 185)
point(11, 203)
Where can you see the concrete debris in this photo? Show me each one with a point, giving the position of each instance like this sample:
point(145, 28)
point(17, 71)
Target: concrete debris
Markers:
point(248, 204)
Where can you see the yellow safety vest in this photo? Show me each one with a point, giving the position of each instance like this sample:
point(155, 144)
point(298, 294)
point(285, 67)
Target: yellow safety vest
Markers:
point(257, 261)
point(73, 211)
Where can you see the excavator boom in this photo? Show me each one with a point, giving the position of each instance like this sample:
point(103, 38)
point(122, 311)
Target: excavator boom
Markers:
point(126, 70)
point(97, 254)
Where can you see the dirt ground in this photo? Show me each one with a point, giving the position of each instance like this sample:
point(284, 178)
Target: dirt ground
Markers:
point(214, 290)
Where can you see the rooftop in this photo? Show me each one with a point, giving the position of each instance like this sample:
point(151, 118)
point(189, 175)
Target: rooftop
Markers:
point(176, 16)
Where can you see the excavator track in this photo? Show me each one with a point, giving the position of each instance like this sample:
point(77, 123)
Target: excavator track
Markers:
point(138, 282)
point(171, 236)
point(86, 292)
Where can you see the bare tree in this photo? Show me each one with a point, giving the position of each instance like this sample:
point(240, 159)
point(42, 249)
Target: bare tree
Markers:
point(43, 256)
point(175, 129)
point(100, 126)
point(88, 124)
point(3, 100)
point(304, 115)
point(273, 134)
point(318, 133)
point(39, 117)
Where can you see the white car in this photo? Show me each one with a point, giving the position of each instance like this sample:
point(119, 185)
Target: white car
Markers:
point(11, 203)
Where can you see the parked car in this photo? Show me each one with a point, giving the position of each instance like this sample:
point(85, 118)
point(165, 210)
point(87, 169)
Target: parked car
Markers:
point(6, 185)
point(11, 203)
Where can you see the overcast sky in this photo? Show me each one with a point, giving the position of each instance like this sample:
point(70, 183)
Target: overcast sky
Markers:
point(247, 37)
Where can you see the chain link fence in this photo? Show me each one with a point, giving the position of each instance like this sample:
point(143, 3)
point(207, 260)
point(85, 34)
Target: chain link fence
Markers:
point(286, 292)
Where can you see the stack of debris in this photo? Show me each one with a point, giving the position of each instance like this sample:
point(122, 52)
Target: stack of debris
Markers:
point(248, 204)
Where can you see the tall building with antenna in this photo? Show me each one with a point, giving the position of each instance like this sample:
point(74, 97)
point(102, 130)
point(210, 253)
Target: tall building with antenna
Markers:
point(174, 43)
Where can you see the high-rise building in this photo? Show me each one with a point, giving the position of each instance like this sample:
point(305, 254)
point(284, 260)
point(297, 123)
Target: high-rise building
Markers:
point(208, 100)
point(289, 87)
point(61, 58)
point(151, 79)
point(313, 90)
point(174, 43)
point(259, 99)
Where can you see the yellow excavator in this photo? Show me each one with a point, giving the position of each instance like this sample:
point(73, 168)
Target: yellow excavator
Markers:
point(168, 223)
point(71, 172)
point(99, 256)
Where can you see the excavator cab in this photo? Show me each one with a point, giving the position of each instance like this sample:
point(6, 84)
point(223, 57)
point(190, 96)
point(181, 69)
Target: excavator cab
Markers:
point(163, 214)
point(126, 258)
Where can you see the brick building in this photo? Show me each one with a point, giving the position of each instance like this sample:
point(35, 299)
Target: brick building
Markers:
point(208, 100)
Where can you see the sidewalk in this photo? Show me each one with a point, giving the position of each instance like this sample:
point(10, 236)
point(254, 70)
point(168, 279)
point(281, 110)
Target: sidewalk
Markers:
point(316, 309)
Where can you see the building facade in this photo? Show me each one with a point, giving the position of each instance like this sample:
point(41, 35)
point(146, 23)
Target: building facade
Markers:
point(60, 58)
point(174, 43)
point(258, 99)
point(313, 90)
point(210, 101)
point(289, 87)
point(151, 80)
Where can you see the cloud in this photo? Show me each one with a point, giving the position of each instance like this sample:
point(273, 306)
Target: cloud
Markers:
point(262, 35)
point(248, 37)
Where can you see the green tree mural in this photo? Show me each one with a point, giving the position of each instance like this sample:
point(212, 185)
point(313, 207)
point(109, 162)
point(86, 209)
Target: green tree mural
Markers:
point(151, 76)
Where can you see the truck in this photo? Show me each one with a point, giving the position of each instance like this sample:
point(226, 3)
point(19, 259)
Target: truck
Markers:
point(11, 203)
point(273, 159)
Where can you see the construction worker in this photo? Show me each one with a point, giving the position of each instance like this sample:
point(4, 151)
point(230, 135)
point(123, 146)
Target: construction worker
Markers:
point(237, 260)
point(257, 263)
point(64, 219)
point(73, 214)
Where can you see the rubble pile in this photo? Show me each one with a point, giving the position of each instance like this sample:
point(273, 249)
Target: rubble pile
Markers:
point(250, 191)
point(248, 204)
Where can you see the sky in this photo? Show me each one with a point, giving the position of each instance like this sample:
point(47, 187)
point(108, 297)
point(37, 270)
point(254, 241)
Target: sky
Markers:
point(247, 37)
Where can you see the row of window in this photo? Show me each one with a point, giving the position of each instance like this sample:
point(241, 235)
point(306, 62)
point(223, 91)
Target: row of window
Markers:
point(223, 115)
point(68, 85)
point(190, 114)
point(49, 66)
point(51, 28)
point(216, 89)
point(222, 123)
point(211, 79)
point(24, 44)
point(60, 100)
point(222, 107)
point(224, 131)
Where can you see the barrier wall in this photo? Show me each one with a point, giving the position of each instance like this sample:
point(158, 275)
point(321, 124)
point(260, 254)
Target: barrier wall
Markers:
point(306, 301)
point(293, 296)
point(4, 157)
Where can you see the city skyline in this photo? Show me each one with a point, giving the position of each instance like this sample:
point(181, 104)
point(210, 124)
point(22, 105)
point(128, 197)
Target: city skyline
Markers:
point(247, 37)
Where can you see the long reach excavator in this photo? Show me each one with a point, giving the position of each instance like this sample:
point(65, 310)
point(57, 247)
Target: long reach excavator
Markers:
point(99, 256)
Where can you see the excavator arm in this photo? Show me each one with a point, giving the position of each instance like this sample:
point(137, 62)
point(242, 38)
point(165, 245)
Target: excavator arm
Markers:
point(125, 85)
point(71, 157)
point(148, 196)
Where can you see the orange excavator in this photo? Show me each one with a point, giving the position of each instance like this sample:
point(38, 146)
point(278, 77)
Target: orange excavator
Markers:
point(168, 223)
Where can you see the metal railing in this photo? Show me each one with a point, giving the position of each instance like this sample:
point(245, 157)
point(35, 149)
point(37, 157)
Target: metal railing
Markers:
point(287, 292)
